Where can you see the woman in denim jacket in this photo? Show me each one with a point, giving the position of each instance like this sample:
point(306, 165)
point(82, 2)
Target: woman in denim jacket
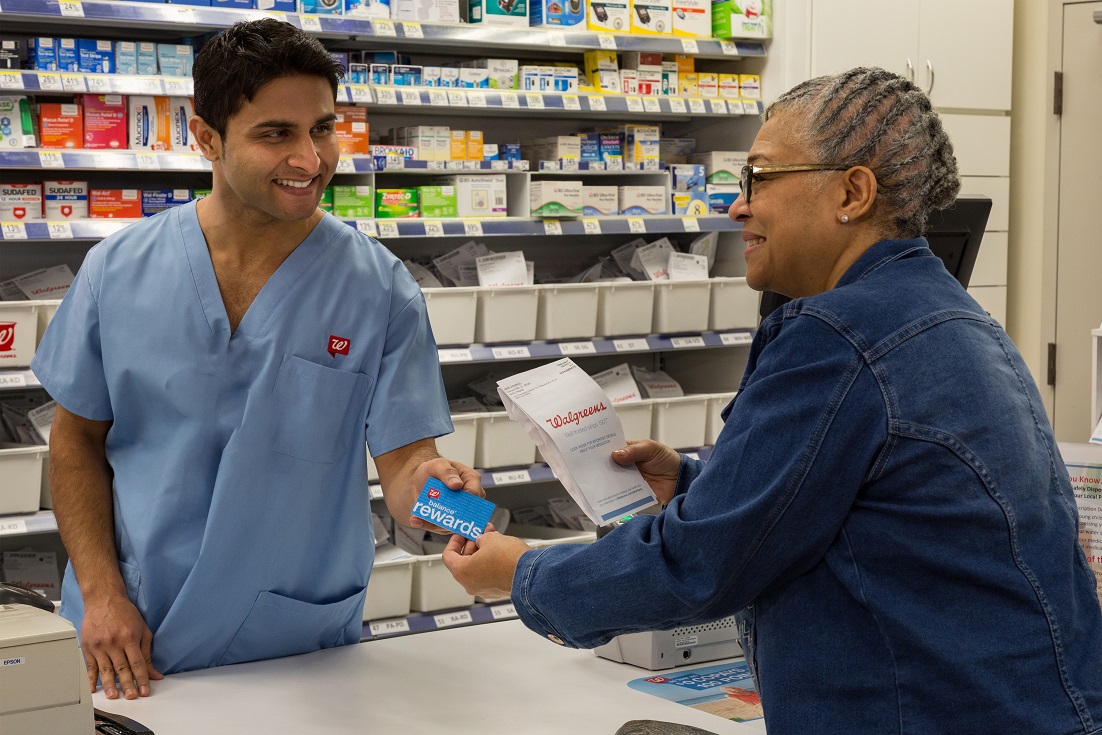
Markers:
point(885, 509)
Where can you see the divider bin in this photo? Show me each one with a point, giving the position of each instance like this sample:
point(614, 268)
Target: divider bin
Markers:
point(625, 308)
point(506, 314)
point(635, 417)
point(681, 306)
point(434, 588)
point(716, 403)
point(389, 588)
point(567, 310)
point(452, 313)
point(502, 442)
point(460, 444)
point(21, 468)
point(680, 422)
point(734, 305)
point(46, 311)
point(18, 333)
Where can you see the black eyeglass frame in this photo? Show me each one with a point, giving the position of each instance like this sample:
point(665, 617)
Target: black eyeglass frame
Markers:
point(748, 172)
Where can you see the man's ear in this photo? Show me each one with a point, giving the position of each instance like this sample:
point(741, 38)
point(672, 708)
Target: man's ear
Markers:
point(209, 141)
point(859, 193)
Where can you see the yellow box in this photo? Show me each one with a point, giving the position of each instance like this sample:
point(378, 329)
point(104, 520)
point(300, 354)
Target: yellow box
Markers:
point(685, 63)
point(599, 60)
point(749, 86)
point(687, 84)
point(707, 84)
point(729, 86)
point(474, 145)
point(459, 145)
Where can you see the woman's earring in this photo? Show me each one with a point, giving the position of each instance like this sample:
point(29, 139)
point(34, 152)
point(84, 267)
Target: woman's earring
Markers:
point(845, 218)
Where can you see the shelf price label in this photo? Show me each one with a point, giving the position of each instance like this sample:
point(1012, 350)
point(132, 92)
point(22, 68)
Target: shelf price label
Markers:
point(345, 165)
point(719, 107)
point(577, 348)
point(591, 226)
point(635, 104)
point(571, 102)
point(386, 95)
point(390, 627)
point(454, 354)
point(737, 338)
point(552, 227)
point(691, 224)
point(71, 8)
point(447, 620)
point(149, 85)
point(438, 97)
point(510, 99)
point(512, 352)
point(310, 23)
point(178, 87)
point(13, 380)
point(728, 48)
point(12, 526)
point(630, 345)
point(49, 81)
point(535, 101)
point(413, 30)
point(60, 230)
point(690, 46)
point(434, 229)
point(501, 612)
point(360, 93)
point(387, 229)
point(683, 342)
point(457, 97)
point(696, 106)
point(597, 103)
point(570, 164)
point(411, 97)
point(50, 159)
point(11, 80)
point(101, 83)
point(476, 98)
point(472, 228)
point(367, 227)
point(677, 104)
point(383, 28)
point(636, 224)
point(511, 477)
point(13, 230)
point(650, 104)
point(606, 41)
point(555, 38)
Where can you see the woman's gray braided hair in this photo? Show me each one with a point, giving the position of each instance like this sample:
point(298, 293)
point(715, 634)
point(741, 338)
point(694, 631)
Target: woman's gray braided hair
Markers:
point(872, 117)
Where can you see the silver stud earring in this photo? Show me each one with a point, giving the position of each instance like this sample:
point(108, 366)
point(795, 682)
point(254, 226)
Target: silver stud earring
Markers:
point(845, 218)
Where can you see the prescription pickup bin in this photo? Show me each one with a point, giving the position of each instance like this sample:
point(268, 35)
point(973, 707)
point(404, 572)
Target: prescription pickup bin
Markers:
point(566, 311)
point(680, 422)
point(507, 314)
point(502, 442)
point(452, 314)
point(434, 588)
point(734, 305)
point(635, 417)
point(681, 306)
point(460, 444)
point(18, 333)
point(625, 308)
point(22, 472)
point(389, 588)
point(716, 403)
point(46, 311)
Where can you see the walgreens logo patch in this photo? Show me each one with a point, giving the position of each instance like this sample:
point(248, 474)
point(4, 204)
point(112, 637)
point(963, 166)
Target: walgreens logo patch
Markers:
point(7, 336)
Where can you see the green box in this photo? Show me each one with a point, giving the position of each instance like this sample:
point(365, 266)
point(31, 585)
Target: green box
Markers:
point(326, 203)
point(198, 194)
point(353, 202)
point(396, 203)
point(437, 201)
point(737, 19)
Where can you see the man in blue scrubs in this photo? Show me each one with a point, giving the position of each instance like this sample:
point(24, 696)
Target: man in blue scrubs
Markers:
point(216, 367)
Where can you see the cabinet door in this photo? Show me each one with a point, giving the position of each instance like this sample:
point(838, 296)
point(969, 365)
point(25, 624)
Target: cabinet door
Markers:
point(968, 45)
point(849, 33)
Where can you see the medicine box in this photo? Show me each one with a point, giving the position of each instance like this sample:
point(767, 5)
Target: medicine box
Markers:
point(728, 86)
point(692, 18)
point(642, 200)
point(629, 81)
point(405, 75)
point(17, 130)
point(13, 52)
point(67, 57)
point(352, 130)
point(353, 202)
point(318, 7)
point(600, 201)
point(502, 73)
point(625, 308)
point(742, 19)
point(396, 204)
point(147, 57)
point(20, 202)
point(599, 60)
point(498, 12)
point(612, 147)
point(181, 110)
point(478, 195)
point(158, 200)
point(688, 176)
point(555, 198)
point(126, 57)
point(749, 86)
point(278, 6)
point(648, 83)
point(721, 197)
point(651, 17)
point(115, 203)
point(669, 78)
point(42, 54)
point(325, 204)
point(452, 315)
point(150, 123)
point(567, 311)
point(690, 203)
point(688, 84)
point(721, 167)
point(433, 11)
point(707, 84)
point(641, 143)
point(556, 13)
point(371, 9)
point(104, 121)
point(474, 78)
point(95, 57)
point(437, 201)
point(64, 200)
point(174, 59)
point(449, 77)
point(608, 15)
point(60, 125)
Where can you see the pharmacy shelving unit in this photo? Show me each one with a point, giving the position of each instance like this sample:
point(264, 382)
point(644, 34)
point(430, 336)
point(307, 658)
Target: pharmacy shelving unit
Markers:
point(708, 360)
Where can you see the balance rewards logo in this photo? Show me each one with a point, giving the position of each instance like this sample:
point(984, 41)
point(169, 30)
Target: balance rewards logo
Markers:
point(7, 336)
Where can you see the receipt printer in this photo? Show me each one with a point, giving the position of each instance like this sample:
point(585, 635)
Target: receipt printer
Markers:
point(655, 650)
point(43, 682)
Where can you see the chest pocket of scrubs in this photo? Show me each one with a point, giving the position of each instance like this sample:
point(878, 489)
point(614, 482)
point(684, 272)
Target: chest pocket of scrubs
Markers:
point(318, 410)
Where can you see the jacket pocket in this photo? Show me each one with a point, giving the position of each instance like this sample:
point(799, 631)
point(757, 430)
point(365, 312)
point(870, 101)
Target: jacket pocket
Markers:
point(132, 579)
point(316, 410)
point(283, 626)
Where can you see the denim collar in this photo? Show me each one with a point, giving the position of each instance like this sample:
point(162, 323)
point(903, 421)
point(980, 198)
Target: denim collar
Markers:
point(882, 253)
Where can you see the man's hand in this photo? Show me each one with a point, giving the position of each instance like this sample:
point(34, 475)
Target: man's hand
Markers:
point(453, 474)
point(658, 464)
point(404, 471)
point(485, 568)
point(116, 644)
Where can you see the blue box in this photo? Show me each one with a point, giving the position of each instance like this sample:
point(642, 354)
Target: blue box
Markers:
point(508, 151)
point(126, 57)
point(321, 7)
point(158, 200)
point(591, 147)
point(688, 176)
point(612, 147)
point(453, 510)
point(555, 13)
point(204, 3)
point(235, 4)
point(279, 6)
point(408, 76)
point(378, 74)
point(42, 54)
point(721, 197)
point(95, 57)
point(693, 203)
point(147, 57)
point(67, 57)
point(357, 74)
point(175, 60)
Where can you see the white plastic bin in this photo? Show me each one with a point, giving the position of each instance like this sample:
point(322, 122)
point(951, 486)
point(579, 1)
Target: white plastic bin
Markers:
point(734, 305)
point(539, 536)
point(434, 588)
point(506, 314)
point(372, 470)
point(567, 310)
point(452, 313)
point(680, 422)
point(46, 311)
point(625, 308)
point(21, 468)
point(716, 403)
point(635, 417)
point(389, 589)
point(681, 306)
point(460, 444)
point(18, 333)
point(502, 442)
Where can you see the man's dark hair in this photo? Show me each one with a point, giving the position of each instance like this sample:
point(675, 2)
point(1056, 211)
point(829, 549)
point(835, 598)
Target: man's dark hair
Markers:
point(233, 66)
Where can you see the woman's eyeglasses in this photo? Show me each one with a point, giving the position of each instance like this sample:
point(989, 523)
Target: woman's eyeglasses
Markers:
point(746, 179)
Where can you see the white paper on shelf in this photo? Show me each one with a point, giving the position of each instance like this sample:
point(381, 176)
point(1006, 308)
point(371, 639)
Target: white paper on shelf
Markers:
point(572, 422)
point(688, 267)
point(503, 269)
point(449, 263)
point(47, 283)
point(706, 245)
point(625, 256)
point(619, 384)
point(468, 275)
point(36, 570)
point(656, 384)
point(389, 552)
point(42, 418)
point(382, 535)
point(653, 259)
point(468, 404)
point(421, 274)
point(10, 292)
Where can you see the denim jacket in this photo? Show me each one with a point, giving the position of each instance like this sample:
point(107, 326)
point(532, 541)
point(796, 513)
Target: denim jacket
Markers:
point(886, 512)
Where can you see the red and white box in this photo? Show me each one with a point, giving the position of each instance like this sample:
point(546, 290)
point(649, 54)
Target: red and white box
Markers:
point(64, 200)
point(115, 203)
point(20, 202)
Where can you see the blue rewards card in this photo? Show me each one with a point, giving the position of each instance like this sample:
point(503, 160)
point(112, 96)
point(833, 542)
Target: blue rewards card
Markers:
point(454, 510)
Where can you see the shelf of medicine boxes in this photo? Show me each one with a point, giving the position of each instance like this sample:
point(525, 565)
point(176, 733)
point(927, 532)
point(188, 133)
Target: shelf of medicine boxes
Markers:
point(429, 99)
point(400, 34)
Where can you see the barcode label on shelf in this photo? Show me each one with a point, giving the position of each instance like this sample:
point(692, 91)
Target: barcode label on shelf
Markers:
point(690, 46)
point(438, 97)
point(681, 342)
point(510, 99)
point(630, 345)
point(60, 230)
point(571, 102)
point(71, 8)
point(389, 627)
point(591, 226)
point(447, 620)
point(383, 28)
point(510, 353)
point(190, 162)
point(552, 227)
point(691, 224)
point(100, 83)
point(501, 612)
point(736, 339)
point(149, 85)
point(434, 229)
point(387, 96)
point(719, 107)
point(367, 227)
point(535, 101)
point(677, 105)
point(650, 104)
point(476, 98)
point(176, 87)
point(11, 80)
point(360, 93)
point(696, 106)
point(636, 224)
point(577, 348)
point(13, 230)
point(455, 354)
point(556, 39)
point(413, 30)
point(411, 97)
point(310, 23)
point(472, 228)
point(597, 103)
point(14, 380)
point(729, 48)
point(457, 97)
point(346, 165)
point(387, 229)
point(13, 526)
point(49, 81)
point(606, 41)
point(50, 159)
point(635, 104)
point(511, 477)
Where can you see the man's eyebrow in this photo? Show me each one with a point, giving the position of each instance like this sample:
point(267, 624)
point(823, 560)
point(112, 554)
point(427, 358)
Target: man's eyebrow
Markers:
point(287, 124)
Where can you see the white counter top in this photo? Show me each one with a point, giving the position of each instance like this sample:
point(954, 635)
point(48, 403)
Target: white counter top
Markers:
point(487, 679)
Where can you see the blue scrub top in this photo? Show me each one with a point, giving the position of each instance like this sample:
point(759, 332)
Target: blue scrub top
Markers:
point(242, 518)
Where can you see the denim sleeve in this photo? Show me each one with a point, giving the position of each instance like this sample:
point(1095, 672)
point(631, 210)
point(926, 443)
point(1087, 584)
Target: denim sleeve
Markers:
point(805, 431)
